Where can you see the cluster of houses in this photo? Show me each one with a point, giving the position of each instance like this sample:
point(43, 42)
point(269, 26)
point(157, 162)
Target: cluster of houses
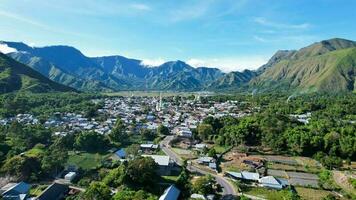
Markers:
point(21, 118)
point(21, 191)
point(138, 113)
point(303, 118)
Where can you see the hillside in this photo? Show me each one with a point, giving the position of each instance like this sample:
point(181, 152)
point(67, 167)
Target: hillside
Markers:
point(233, 80)
point(15, 76)
point(328, 66)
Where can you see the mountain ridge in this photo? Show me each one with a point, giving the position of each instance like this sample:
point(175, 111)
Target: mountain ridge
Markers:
point(302, 69)
point(15, 76)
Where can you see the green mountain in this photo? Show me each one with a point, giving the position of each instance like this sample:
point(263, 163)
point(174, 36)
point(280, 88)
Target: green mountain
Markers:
point(57, 74)
point(15, 76)
point(328, 66)
point(233, 80)
point(323, 66)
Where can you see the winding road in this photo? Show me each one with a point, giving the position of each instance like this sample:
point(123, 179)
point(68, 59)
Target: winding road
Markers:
point(228, 189)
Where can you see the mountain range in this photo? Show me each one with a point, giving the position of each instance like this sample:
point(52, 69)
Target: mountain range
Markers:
point(328, 65)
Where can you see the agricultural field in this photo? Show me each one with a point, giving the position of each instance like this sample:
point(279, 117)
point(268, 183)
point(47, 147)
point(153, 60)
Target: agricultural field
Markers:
point(311, 194)
point(266, 193)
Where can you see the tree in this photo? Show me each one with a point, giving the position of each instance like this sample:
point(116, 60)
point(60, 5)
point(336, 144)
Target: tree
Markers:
point(183, 182)
point(115, 177)
point(214, 122)
point(212, 153)
point(205, 130)
point(97, 191)
point(91, 141)
point(147, 134)
point(204, 185)
point(133, 150)
point(141, 171)
point(118, 133)
point(54, 159)
point(162, 130)
point(91, 112)
point(22, 167)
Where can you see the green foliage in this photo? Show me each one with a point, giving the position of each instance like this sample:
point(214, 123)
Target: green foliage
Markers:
point(147, 134)
point(22, 167)
point(326, 180)
point(54, 159)
point(15, 76)
point(352, 181)
point(329, 162)
point(115, 177)
point(205, 130)
point(330, 129)
point(133, 195)
point(44, 104)
point(162, 130)
point(212, 153)
point(183, 182)
point(118, 134)
point(141, 172)
point(204, 185)
point(91, 142)
point(323, 66)
point(96, 191)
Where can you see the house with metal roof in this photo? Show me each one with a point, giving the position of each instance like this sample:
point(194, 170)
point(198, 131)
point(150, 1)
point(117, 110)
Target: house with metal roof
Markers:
point(15, 191)
point(244, 175)
point(55, 191)
point(271, 182)
point(197, 196)
point(171, 193)
point(165, 165)
point(121, 154)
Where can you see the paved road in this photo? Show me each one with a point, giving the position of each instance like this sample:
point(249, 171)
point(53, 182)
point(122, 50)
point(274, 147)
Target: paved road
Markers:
point(228, 188)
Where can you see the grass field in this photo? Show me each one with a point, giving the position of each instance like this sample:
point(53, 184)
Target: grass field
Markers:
point(170, 179)
point(311, 194)
point(86, 160)
point(220, 149)
point(269, 194)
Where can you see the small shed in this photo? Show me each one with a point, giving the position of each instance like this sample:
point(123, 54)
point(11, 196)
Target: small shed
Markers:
point(70, 176)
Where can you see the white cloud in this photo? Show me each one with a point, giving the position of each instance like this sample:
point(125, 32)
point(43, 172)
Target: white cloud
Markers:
point(264, 22)
point(228, 64)
point(140, 6)
point(6, 49)
point(190, 11)
point(152, 62)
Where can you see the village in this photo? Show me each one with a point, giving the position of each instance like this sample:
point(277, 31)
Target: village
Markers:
point(181, 117)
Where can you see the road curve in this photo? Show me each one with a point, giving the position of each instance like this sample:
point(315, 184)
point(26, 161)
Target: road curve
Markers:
point(228, 189)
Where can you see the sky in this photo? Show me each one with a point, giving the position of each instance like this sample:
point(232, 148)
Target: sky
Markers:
point(228, 34)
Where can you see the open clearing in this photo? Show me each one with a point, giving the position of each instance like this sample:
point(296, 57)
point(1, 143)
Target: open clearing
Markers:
point(269, 194)
point(86, 160)
point(311, 194)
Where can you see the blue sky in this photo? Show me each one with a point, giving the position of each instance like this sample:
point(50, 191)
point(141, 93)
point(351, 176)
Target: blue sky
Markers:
point(229, 34)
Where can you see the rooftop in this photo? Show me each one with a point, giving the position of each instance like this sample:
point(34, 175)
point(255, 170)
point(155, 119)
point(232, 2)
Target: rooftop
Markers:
point(160, 160)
